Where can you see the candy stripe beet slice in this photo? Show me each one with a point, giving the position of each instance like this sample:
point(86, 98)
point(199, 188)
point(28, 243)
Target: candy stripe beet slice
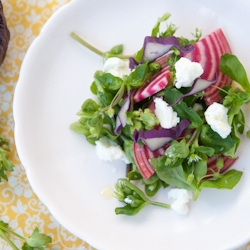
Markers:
point(156, 84)
point(211, 164)
point(207, 52)
point(142, 154)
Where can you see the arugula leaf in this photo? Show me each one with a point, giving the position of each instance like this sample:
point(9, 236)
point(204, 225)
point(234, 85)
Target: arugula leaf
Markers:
point(171, 95)
point(200, 170)
point(212, 139)
point(138, 76)
point(109, 82)
point(205, 150)
point(175, 177)
point(227, 181)
point(232, 67)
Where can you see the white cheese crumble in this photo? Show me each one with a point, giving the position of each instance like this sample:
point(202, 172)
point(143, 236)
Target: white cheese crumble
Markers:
point(181, 197)
point(116, 67)
point(108, 150)
point(216, 117)
point(165, 114)
point(197, 107)
point(186, 72)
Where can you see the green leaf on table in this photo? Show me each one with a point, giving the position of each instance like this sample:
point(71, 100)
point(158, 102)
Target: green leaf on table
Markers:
point(5, 165)
point(38, 240)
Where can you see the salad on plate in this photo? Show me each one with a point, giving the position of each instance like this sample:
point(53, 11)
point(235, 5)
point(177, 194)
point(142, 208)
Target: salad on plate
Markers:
point(172, 112)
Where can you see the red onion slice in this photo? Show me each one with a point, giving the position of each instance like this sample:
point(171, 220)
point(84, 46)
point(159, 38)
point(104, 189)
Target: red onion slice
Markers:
point(198, 86)
point(155, 47)
point(157, 138)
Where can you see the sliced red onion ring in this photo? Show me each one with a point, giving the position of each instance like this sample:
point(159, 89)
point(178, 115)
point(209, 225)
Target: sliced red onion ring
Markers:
point(198, 86)
point(155, 47)
point(121, 118)
point(118, 126)
point(132, 63)
point(157, 138)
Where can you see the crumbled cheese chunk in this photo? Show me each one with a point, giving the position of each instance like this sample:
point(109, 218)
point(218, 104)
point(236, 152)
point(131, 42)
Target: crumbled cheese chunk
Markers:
point(108, 150)
point(197, 107)
point(181, 197)
point(186, 72)
point(165, 114)
point(216, 117)
point(116, 67)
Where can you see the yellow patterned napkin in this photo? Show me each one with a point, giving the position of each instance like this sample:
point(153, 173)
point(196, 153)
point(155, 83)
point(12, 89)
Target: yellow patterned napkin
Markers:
point(19, 206)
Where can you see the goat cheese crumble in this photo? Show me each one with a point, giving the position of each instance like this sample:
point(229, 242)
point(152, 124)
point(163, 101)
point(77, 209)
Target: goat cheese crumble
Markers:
point(186, 72)
point(216, 117)
point(165, 114)
point(108, 150)
point(181, 197)
point(116, 67)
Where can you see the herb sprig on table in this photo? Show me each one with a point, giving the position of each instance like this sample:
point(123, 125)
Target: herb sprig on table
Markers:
point(35, 241)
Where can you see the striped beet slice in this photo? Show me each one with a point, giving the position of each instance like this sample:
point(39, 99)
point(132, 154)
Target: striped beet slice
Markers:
point(142, 154)
point(156, 84)
point(211, 164)
point(207, 52)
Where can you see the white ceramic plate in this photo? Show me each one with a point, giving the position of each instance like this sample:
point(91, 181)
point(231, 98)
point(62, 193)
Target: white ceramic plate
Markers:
point(63, 168)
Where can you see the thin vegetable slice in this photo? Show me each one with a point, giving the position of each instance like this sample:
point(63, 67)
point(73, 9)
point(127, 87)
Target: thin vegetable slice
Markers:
point(156, 84)
point(121, 116)
point(157, 138)
point(154, 47)
point(198, 86)
point(142, 154)
point(207, 52)
point(227, 163)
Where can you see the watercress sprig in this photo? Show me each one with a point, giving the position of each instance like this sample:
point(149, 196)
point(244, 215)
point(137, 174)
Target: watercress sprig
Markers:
point(133, 197)
point(114, 51)
point(36, 240)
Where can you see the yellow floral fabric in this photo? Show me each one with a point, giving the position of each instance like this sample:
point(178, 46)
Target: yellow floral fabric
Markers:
point(19, 206)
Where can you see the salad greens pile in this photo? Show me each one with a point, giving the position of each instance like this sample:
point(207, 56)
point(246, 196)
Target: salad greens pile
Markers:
point(195, 160)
